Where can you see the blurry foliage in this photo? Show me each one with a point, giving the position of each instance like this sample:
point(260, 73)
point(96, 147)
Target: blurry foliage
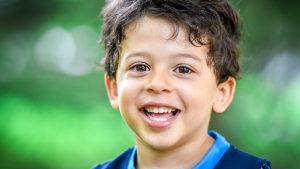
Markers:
point(51, 119)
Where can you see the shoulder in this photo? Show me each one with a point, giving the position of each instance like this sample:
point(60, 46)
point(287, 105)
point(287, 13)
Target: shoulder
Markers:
point(234, 158)
point(101, 166)
point(119, 162)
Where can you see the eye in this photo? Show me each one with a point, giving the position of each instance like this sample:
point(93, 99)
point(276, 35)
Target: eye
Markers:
point(183, 70)
point(140, 68)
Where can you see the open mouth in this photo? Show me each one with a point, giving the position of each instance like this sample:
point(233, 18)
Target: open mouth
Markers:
point(159, 117)
point(160, 114)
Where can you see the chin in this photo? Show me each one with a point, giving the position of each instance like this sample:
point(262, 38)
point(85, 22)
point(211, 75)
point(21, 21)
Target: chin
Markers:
point(159, 141)
point(160, 146)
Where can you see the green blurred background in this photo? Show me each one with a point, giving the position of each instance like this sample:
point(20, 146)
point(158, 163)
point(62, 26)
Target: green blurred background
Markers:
point(54, 110)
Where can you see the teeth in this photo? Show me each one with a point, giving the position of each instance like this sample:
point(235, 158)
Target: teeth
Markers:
point(158, 119)
point(159, 110)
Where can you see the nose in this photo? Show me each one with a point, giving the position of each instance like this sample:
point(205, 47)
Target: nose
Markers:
point(159, 82)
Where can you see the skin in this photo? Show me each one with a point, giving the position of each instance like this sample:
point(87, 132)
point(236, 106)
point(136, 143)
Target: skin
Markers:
point(153, 68)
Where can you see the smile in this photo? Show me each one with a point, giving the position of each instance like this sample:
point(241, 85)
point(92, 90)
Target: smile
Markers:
point(159, 117)
point(160, 114)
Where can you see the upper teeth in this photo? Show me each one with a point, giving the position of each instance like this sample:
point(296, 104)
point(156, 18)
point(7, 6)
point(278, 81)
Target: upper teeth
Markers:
point(160, 110)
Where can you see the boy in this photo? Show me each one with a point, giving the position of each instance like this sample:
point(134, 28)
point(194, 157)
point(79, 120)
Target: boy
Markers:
point(168, 64)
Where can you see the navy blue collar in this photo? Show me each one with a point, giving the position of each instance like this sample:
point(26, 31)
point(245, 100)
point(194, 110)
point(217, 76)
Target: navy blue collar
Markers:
point(210, 160)
point(233, 158)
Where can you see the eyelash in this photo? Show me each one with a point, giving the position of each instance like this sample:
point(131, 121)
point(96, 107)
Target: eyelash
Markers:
point(135, 66)
point(184, 66)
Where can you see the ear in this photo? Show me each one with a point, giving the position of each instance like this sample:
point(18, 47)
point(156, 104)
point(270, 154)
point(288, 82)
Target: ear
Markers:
point(112, 91)
point(225, 95)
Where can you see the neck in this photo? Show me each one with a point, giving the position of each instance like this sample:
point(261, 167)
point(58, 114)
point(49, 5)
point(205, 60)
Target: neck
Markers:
point(186, 155)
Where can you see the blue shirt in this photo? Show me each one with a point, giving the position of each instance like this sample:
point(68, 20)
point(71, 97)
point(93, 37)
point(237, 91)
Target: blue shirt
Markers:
point(210, 160)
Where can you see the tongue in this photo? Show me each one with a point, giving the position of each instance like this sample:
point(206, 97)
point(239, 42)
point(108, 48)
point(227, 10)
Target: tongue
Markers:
point(161, 115)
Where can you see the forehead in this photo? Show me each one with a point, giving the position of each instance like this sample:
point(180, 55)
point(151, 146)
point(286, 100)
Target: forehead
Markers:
point(162, 27)
point(150, 33)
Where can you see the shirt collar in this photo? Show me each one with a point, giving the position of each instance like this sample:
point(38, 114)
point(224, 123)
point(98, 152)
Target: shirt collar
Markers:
point(210, 160)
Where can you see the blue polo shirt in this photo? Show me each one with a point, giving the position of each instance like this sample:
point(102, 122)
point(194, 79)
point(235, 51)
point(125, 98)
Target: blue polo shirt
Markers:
point(210, 160)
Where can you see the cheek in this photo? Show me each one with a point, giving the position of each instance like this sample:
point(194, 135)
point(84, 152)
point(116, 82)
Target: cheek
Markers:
point(196, 93)
point(128, 93)
point(198, 98)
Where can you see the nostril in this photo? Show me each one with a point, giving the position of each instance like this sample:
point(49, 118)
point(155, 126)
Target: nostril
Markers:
point(159, 88)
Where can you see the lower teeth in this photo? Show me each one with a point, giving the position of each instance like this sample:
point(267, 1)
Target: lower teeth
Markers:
point(157, 119)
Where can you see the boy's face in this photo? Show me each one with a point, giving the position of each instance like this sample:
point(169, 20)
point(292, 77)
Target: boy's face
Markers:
point(156, 73)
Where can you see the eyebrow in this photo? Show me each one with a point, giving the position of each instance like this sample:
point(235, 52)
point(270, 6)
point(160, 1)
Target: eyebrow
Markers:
point(176, 55)
point(186, 55)
point(137, 54)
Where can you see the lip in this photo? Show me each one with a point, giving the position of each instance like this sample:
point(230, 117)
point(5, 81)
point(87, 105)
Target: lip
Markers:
point(155, 104)
point(158, 124)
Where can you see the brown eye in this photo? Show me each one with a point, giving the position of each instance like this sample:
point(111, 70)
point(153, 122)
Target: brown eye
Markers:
point(183, 70)
point(140, 68)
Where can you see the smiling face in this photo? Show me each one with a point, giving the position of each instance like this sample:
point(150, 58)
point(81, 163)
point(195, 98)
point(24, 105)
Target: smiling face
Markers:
point(164, 89)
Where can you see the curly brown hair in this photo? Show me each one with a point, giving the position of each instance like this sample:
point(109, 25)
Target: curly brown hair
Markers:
point(207, 22)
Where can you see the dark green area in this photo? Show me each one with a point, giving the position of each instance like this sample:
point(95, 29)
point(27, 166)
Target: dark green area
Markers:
point(51, 119)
